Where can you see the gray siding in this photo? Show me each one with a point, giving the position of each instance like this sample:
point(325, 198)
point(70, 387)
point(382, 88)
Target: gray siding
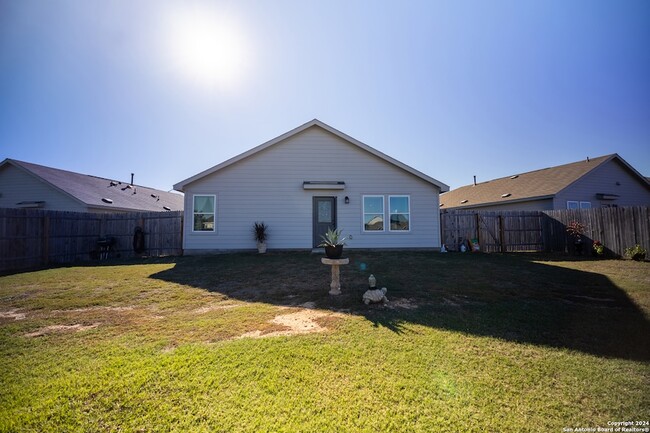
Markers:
point(268, 186)
point(604, 180)
point(17, 186)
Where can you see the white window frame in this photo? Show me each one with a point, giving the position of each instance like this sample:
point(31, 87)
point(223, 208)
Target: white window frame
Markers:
point(214, 212)
point(585, 205)
point(399, 213)
point(569, 202)
point(364, 213)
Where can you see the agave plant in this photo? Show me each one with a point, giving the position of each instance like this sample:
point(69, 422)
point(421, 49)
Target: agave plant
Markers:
point(260, 232)
point(332, 238)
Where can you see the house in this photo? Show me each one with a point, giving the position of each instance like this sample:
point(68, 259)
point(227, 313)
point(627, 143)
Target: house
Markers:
point(606, 181)
point(303, 182)
point(27, 185)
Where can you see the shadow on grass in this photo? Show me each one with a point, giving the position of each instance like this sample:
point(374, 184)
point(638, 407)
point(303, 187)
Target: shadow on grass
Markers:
point(511, 297)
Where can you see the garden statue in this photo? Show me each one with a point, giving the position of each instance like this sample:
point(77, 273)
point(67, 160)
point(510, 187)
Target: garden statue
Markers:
point(373, 294)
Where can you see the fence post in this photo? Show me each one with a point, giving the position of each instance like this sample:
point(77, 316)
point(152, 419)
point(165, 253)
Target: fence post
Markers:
point(46, 240)
point(182, 229)
point(502, 234)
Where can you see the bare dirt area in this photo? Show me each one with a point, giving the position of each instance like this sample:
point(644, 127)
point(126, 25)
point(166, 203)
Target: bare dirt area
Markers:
point(12, 315)
point(300, 322)
point(61, 328)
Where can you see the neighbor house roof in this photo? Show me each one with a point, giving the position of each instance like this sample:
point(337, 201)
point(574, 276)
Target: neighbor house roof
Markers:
point(100, 193)
point(179, 186)
point(533, 185)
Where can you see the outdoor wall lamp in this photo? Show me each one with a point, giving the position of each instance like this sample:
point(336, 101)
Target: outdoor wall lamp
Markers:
point(347, 200)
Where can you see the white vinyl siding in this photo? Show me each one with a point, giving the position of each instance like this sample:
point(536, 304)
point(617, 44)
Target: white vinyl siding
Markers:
point(204, 212)
point(373, 213)
point(399, 210)
point(268, 186)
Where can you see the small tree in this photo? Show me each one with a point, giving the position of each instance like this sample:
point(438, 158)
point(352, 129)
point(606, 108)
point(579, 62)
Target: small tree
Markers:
point(576, 229)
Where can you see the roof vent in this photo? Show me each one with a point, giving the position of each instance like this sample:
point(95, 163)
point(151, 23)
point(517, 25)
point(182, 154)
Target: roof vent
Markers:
point(113, 183)
point(167, 208)
point(107, 200)
point(463, 201)
point(514, 177)
point(442, 204)
point(505, 195)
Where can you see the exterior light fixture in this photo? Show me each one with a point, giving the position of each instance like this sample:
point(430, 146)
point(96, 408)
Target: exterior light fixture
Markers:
point(347, 200)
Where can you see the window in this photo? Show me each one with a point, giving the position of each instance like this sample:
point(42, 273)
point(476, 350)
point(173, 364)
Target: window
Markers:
point(373, 213)
point(578, 204)
point(204, 212)
point(399, 211)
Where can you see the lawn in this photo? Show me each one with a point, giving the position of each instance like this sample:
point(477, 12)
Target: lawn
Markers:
point(248, 343)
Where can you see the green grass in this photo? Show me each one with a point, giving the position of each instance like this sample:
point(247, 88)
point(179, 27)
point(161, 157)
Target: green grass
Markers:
point(497, 343)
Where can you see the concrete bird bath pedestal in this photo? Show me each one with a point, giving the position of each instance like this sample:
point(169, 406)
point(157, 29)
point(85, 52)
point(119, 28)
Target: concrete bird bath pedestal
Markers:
point(335, 285)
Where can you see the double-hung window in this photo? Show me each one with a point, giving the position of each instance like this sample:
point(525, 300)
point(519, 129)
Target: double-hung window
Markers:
point(399, 213)
point(373, 213)
point(571, 204)
point(204, 213)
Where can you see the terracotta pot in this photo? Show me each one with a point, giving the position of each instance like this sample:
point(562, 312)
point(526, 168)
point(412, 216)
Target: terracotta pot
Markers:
point(334, 252)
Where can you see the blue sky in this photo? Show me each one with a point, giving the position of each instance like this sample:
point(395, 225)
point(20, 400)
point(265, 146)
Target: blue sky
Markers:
point(453, 89)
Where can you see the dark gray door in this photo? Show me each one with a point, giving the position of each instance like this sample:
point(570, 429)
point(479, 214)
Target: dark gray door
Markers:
point(324, 217)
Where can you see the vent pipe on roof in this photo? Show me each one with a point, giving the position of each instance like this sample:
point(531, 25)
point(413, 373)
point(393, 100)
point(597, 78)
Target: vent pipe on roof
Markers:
point(131, 178)
point(474, 180)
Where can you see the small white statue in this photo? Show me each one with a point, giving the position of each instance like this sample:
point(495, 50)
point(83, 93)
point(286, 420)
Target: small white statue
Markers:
point(375, 295)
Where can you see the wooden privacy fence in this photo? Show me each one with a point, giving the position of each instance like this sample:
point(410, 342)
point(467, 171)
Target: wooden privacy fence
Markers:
point(510, 231)
point(32, 237)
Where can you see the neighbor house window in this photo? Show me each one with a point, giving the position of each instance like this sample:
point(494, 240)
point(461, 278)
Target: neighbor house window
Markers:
point(373, 213)
point(572, 205)
point(204, 212)
point(399, 212)
point(585, 205)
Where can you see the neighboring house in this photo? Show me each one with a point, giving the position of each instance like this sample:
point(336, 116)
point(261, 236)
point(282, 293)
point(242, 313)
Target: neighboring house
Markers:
point(303, 182)
point(27, 185)
point(606, 181)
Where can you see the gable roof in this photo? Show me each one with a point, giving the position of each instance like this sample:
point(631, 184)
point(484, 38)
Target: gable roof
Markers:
point(91, 190)
point(533, 185)
point(313, 123)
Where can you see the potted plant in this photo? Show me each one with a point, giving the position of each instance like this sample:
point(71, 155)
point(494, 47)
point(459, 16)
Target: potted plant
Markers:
point(260, 234)
point(636, 252)
point(333, 243)
point(598, 249)
point(576, 230)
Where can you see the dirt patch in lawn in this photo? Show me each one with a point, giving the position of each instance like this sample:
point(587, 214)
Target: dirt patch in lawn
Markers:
point(403, 303)
point(12, 315)
point(61, 328)
point(301, 322)
point(98, 308)
point(215, 307)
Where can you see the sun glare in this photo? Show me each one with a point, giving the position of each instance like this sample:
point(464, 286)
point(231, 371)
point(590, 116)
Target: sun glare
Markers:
point(206, 47)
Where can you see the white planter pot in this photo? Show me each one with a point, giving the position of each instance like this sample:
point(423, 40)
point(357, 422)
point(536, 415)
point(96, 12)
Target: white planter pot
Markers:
point(261, 247)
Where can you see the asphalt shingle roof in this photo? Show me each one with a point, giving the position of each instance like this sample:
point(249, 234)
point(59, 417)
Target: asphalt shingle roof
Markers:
point(92, 190)
point(534, 184)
